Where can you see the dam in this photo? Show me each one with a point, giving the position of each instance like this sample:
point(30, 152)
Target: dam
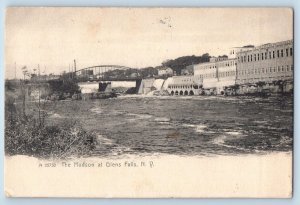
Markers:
point(176, 85)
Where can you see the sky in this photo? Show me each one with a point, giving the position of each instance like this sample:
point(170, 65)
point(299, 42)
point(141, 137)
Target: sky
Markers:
point(52, 38)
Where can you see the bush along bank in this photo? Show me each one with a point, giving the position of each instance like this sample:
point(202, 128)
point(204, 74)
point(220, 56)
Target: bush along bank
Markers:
point(27, 135)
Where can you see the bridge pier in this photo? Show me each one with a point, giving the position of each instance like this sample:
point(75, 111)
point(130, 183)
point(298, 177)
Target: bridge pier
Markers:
point(138, 83)
point(103, 86)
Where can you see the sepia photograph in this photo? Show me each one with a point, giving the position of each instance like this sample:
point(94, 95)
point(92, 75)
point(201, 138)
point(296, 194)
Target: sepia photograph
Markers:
point(149, 102)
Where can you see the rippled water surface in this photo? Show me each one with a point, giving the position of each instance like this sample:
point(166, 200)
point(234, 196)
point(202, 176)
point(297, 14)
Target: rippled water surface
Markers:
point(186, 125)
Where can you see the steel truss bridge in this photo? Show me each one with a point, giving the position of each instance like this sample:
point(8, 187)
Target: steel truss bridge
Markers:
point(98, 73)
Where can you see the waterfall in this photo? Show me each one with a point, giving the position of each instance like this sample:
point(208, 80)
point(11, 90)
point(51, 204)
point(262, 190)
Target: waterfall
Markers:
point(162, 86)
point(158, 83)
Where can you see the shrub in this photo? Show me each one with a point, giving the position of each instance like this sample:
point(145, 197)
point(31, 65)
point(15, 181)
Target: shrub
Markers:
point(55, 141)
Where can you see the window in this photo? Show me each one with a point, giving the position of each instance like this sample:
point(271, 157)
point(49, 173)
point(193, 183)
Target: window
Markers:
point(270, 70)
point(262, 56)
point(281, 53)
point(258, 56)
point(248, 58)
point(292, 67)
point(278, 69)
point(277, 53)
point(287, 52)
point(270, 56)
point(287, 68)
point(244, 58)
point(266, 56)
point(282, 68)
point(273, 54)
point(291, 51)
point(251, 57)
point(254, 57)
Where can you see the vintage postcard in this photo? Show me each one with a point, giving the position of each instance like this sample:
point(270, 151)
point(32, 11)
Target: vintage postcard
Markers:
point(149, 102)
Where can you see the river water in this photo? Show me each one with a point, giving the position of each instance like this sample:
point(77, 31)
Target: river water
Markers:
point(195, 125)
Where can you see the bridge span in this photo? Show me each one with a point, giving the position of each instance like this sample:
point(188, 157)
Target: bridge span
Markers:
point(101, 78)
point(100, 72)
point(109, 86)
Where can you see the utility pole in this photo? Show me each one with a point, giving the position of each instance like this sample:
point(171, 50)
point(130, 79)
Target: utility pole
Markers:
point(39, 69)
point(39, 89)
point(69, 72)
point(75, 67)
point(72, 72)
point(15, 70)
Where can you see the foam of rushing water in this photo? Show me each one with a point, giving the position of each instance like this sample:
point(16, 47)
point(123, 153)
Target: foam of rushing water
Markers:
point(119, 150)
point(107, 145)
point(162, 119)
point(193, 125)
point(96, 110)
point(200, 128)
point(220, 141)
point(235, 133)
point(140, 116)
point(55, 115)
point(104, 140)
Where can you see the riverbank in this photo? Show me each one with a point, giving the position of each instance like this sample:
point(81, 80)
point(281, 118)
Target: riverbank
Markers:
point(266, 176)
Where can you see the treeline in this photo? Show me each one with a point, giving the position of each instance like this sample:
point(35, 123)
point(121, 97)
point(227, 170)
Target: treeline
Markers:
point(175, 64)
point(180, 63)
point(132, 73)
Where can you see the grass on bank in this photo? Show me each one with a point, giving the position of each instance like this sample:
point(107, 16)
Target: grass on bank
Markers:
point(27, 133)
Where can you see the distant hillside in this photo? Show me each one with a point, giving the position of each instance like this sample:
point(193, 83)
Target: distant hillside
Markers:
point(133, 73)
point(180, 63)
point(175, 64)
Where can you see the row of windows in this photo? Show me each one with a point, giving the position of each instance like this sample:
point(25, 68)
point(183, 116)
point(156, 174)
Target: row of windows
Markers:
point(264, 56)
point(181, 86)
point(220, 74)
point(223, 64)
point(208, 75)
point(286, 68)
point(253, 80)
point(187, 80)
point(226, 74)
